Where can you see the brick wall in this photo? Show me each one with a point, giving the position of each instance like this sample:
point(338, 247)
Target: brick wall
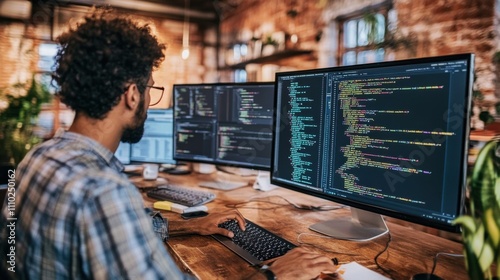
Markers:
point(440, 27)
point(19, 50)
point(260, 18)
point(17, 58)
point(444, 27)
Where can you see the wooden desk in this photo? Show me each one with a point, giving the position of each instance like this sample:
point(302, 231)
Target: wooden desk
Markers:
point(410, 251)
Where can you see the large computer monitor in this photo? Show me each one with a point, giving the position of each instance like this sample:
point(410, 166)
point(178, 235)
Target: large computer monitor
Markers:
point(156, 145)
point(226, 124)
point(386, 138)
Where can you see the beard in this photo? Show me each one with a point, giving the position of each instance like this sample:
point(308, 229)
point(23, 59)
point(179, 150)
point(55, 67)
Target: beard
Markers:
point(134, 133)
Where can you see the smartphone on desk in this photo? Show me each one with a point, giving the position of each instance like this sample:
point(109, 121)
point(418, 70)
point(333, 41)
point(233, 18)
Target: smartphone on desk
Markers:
point(195, 214)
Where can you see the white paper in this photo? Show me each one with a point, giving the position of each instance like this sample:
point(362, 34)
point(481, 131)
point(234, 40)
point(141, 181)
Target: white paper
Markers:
point(355, 271)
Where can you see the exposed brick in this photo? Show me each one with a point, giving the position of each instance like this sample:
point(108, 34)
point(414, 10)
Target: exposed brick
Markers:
point(440, 27)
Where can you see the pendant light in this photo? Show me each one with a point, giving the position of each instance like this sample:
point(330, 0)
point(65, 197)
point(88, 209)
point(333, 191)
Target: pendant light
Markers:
point(185, 32)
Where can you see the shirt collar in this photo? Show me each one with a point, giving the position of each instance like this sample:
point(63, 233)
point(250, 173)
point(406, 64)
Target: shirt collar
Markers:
point(102, 151)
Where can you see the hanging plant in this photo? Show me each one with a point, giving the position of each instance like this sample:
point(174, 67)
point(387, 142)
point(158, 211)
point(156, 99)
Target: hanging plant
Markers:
point(390, 40)
point(17, 120)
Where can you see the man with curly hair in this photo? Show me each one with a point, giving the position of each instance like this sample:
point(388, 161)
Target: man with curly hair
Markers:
point(78, 215)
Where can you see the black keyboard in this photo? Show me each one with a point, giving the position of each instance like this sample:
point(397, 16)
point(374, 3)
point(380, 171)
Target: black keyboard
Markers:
point(255, 244)
point(181, 195)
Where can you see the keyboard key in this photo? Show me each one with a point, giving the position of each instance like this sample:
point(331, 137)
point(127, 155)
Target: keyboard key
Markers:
point(181, 195)
point(255, 244)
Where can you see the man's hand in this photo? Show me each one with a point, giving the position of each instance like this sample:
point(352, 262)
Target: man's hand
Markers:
point(301, 263)
point(206, 225)
point(209, 224)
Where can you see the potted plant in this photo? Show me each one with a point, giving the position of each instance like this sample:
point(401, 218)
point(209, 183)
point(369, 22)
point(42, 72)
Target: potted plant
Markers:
point(269, 46)
point(481, 227)
point(482, 109)
point(17, 120)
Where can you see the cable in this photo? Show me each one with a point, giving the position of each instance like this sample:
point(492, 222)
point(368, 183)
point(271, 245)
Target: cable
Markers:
point(381, 252)
point(319, 247)
point(444, 254)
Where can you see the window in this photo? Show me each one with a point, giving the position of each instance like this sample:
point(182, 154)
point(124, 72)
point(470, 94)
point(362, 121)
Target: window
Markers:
point(47, 57)
point(47, 53)
point(361, 35)
point(240, 75)
point(240, 52)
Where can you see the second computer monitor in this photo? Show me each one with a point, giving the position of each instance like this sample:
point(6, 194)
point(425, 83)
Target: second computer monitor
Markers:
point(225, 124)
point(156, 143)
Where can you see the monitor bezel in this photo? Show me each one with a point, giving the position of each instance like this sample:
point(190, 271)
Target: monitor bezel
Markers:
point(215, 161)
point(460, 208)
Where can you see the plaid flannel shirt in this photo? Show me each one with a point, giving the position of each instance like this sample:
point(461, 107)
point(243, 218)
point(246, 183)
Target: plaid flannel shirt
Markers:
point(79, 217)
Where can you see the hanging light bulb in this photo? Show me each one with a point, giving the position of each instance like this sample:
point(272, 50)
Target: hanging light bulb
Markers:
point(185, 53)
point(185, 33)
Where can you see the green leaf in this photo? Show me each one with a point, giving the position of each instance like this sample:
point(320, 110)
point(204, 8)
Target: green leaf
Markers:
point(472, 263)
point(487, 256)
point(468, 224)
point(492, 225)
point(485, 191)
point(477, 240)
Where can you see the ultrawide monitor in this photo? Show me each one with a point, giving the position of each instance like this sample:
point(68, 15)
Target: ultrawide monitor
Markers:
point(388, 138)
point(224, 124)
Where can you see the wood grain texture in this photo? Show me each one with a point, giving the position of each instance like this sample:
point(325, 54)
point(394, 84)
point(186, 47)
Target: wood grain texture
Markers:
point(410, 252)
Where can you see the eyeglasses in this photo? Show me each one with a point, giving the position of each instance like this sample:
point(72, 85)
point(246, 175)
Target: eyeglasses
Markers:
point(154, 95)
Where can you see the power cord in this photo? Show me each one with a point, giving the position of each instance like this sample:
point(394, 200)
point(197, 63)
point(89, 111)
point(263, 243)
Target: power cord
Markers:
point(381, 252)
point(444, 254)
point(435, 259)
point(299, 241)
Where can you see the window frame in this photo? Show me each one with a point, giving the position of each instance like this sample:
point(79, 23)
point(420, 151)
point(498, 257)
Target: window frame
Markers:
point(381, 8)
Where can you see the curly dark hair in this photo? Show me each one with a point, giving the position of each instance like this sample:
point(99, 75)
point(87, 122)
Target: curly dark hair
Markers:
point(99, 57)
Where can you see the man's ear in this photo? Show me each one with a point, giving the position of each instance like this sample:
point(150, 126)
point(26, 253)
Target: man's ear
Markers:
point(132, 97)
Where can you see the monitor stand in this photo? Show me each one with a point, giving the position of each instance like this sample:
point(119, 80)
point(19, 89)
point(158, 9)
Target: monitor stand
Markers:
point(240, 171)
point(362, 226)
point(204, 168)
point(180, 169)
point(223, 180)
